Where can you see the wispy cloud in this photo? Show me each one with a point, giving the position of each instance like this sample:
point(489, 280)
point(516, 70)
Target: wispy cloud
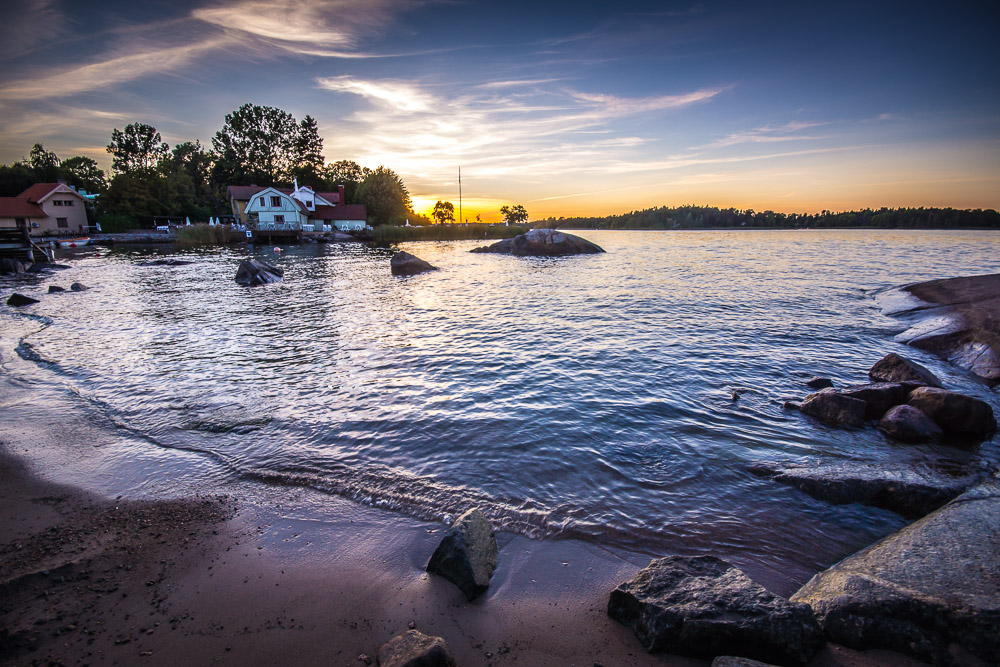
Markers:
point(31, 24)
point(767, 134)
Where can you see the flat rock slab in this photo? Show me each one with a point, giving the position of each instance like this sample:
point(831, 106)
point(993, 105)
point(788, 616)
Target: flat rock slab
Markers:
point(467, 555)
point(543, 243)
point(253, 272)
point(702, 606)
point(415, 649)
point(910, 489)
point(932, 585)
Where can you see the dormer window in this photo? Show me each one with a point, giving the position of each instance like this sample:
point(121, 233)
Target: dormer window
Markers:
point(309, 204)
point(275, 201)
point(263, 201)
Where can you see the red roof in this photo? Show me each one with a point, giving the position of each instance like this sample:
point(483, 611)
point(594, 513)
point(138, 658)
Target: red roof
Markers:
point(20, 207)
point(40, 191)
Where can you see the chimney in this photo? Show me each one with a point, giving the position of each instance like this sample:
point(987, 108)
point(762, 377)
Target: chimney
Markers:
point(340, 191)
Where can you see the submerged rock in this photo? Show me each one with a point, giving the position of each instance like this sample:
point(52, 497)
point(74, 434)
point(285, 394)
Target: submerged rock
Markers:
point(894, 368)
point(20, 300)
point(933, 585)
point(55, 288)
point(467, 555)
point(819, 383)
point(908, 424)
point(735, 661)
point(955, 413)
point(10, 267)
point(543, 243)
point(834, 408)
point(703, 606)
point(878, 397)
point(165, 262)
point(415, 649)
point(405, 264)
point(912, 490)
point(256, 272)
point(78, 287)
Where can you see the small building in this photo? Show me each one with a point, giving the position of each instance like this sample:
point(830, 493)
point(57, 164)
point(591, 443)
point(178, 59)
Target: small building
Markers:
point(46, 209)
point(295, 209)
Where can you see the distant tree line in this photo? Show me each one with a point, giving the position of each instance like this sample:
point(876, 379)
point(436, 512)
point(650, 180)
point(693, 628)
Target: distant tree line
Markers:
point(710, 217)
point(257, 145)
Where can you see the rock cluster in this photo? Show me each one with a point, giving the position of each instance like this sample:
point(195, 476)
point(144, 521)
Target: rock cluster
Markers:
point(543, 243)
point(908, 403)
point(405, 264)
point(467, 555)
point(702, 606)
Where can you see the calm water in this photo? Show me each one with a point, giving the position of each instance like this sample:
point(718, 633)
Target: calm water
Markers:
point(583, 397)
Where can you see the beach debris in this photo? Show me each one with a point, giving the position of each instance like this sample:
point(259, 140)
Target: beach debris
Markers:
point(467, 554)
point(405, 264)
point(415, 649)
point(543, 243)
point(894, 368)
point(909, 489)
point(819, 382)
point(255, 272)
point(20, 300)
point(924, 591)
point(55, 288)
point(702, 606)
point(78, 287)
point(878, 397)
point(909, 424)
point(834, 408)
point(955, 413)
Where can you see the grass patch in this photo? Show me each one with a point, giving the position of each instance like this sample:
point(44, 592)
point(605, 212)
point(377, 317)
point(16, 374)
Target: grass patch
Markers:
point(384, 234)
point(207, 235)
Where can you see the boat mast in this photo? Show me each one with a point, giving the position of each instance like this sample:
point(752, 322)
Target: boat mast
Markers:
point(460, 221)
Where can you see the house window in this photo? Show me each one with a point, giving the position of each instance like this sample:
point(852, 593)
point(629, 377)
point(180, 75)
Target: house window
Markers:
point(57, 202)
point(68, 202)
point(309, 204)
point(279, 218)
point(62, 222)
point(263, 201)
point(275, 201)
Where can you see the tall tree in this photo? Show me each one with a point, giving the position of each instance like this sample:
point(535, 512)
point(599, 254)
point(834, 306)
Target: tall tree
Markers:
point(256, 145)
point(444, 211)
point(39, 158)
point(307, 153)
point(347, 173)
point(82, 172)
point(386, 197)
point(514, 215)
point(137, 149)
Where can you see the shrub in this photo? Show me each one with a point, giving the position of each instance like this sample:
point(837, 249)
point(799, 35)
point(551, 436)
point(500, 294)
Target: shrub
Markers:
point(207, 235)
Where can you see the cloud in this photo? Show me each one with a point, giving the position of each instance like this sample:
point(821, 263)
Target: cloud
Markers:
point(767, 134)
point(30, 24)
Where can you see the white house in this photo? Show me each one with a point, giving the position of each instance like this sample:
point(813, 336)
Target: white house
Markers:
point(298, 209)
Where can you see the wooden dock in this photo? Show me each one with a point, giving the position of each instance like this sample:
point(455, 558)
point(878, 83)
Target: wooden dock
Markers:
point(16, 243)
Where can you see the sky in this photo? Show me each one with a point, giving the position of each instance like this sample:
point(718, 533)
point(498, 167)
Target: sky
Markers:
point(567, 108)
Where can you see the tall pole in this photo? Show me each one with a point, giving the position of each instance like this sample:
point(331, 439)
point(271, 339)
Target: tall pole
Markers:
point(460, 221)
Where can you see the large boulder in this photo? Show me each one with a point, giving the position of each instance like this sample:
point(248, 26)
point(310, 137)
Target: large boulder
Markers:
point(910, 489)
point(818, 382)
point(78, 287)
point(405, 264)
point(955, 413)
point(894, 368)
point(256, 272)
point(467, 555)
point(908, 424)
point(415, 649)
point(924, 591)
point(10, 267)
point(20, 300)
point(835, 408)
point(878, 397)
point(703, 606)
point(55, 288)
point(544, 243)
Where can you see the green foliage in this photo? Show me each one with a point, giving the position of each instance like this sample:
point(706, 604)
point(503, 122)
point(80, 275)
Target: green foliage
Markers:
point(137, 149)
point(444, 212)
point(347, 173)
point(16, 178)
point(116, 223)
point(386, 197)
point(386, 234)
point(207, 235)
point(256, 144)
point(83, 173)
point(514, 215)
